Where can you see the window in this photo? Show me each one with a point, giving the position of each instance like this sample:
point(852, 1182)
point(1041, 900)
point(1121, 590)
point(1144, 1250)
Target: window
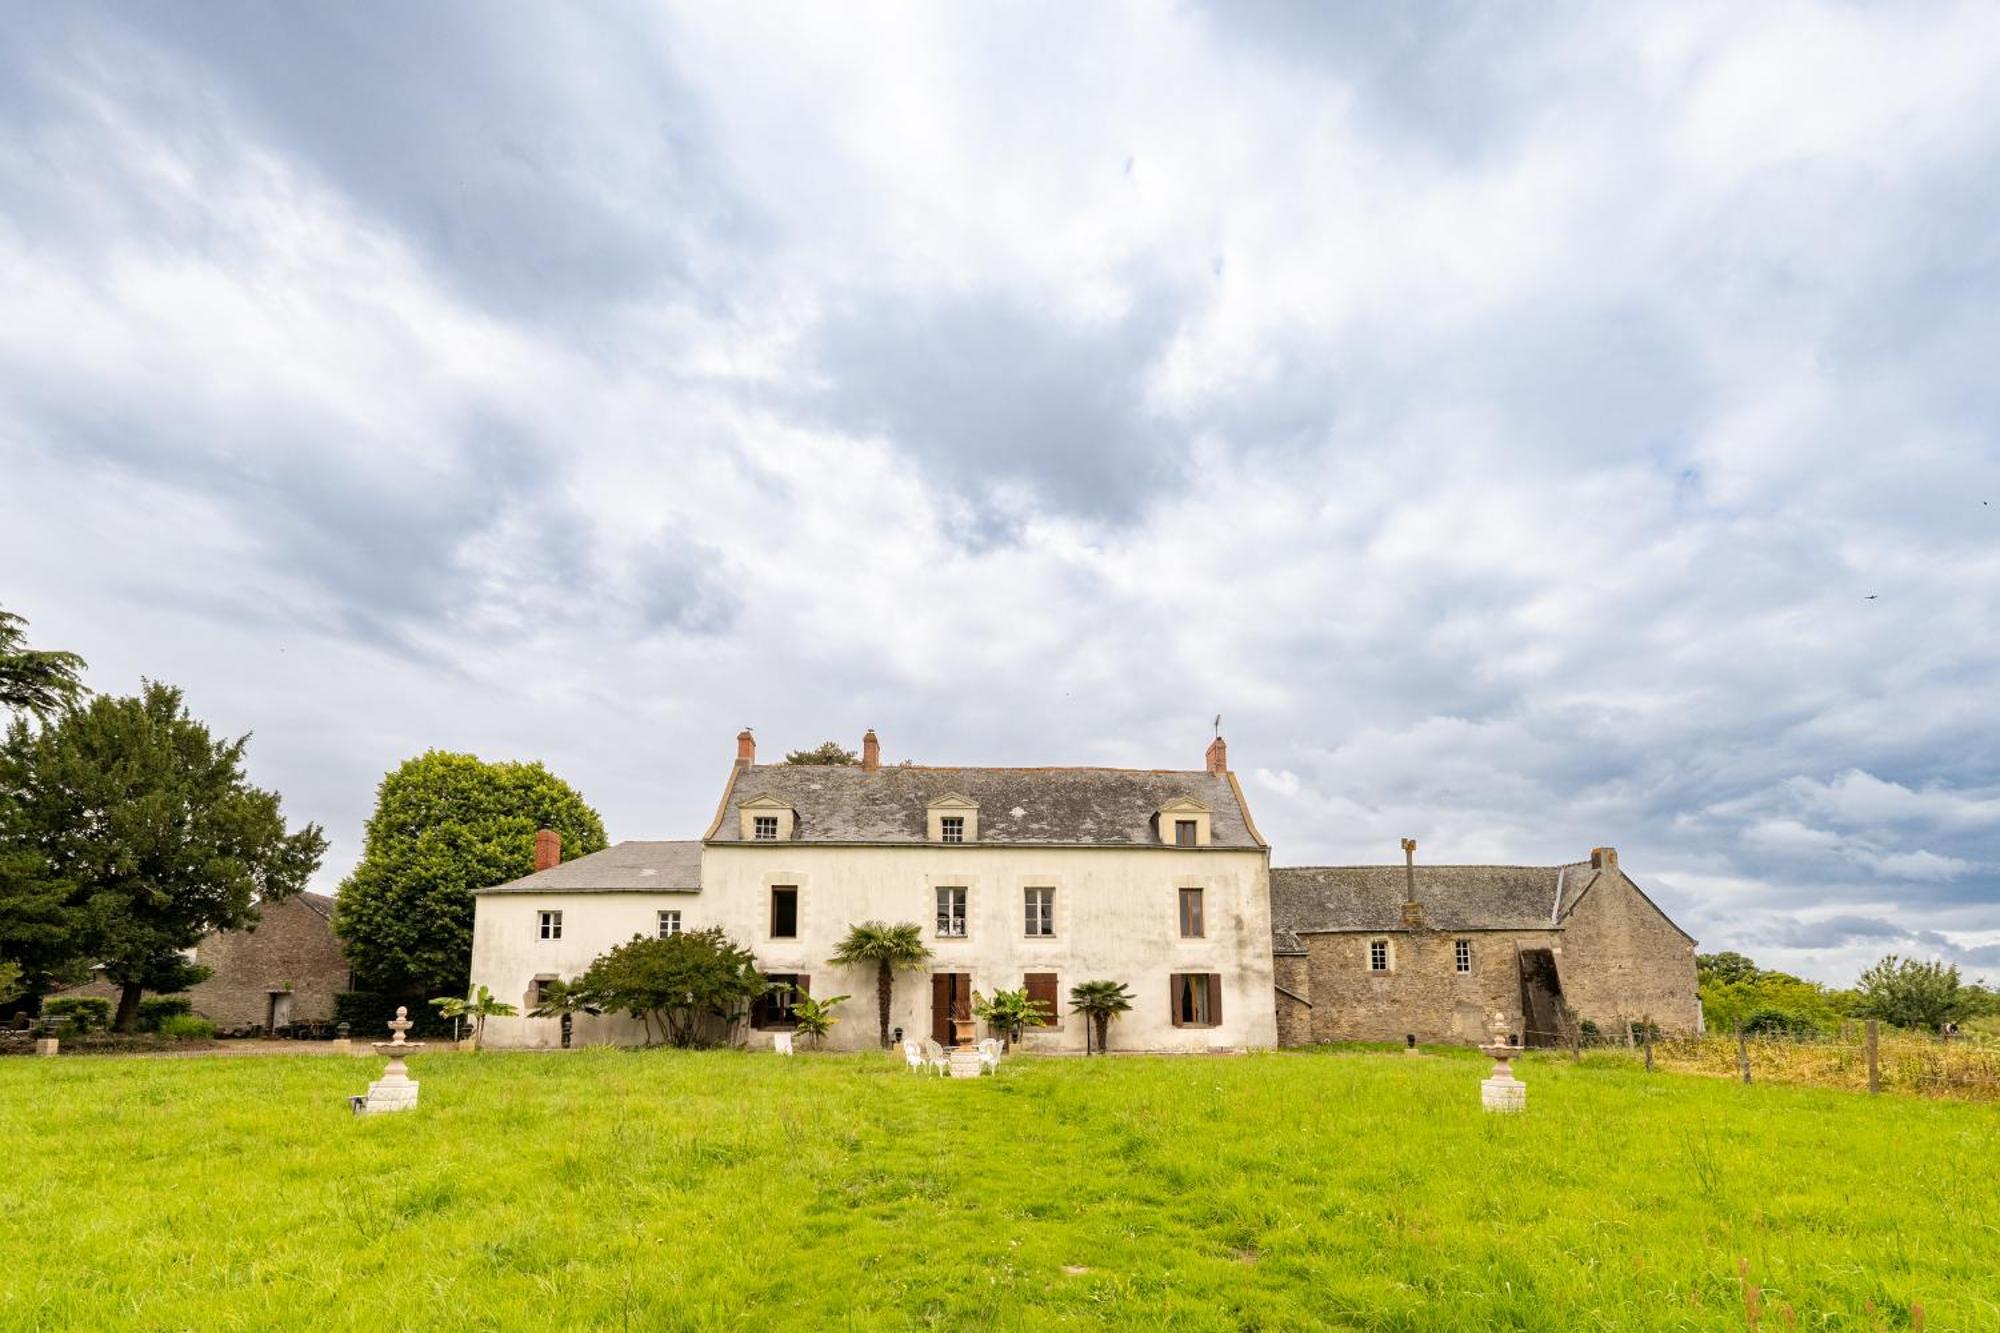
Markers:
point(951, 912)
point(1197, 999)
point(951, 828)
point(1041, 911)
point(1191, 922)
point(1043, 992)
point(670, 924)
point(784, 913)
point(1184, 832)
point(551, 925)
point(764, 828)
point(773, 1009)
point(1378, 955)
point(1463, 952)
point(538, 996)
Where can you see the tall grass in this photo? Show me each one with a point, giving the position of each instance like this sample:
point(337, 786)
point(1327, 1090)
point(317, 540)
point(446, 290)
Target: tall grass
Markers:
point(657, 1189)
point(1906, 1062)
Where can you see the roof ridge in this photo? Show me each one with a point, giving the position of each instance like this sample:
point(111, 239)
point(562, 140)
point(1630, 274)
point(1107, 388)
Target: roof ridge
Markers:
point(1002, 768)
point(1434, 865)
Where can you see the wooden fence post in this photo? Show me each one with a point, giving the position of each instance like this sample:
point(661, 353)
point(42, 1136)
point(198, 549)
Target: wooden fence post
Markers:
point(1742, 1053)
point(1649, 1048)
point(1874, 1058)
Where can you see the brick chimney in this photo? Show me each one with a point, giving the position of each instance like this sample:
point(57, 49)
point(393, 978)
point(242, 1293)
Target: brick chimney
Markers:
point(871, 752)
point(746, 748)
point(548, 849)
point(1604, 858)
point(1218, 755)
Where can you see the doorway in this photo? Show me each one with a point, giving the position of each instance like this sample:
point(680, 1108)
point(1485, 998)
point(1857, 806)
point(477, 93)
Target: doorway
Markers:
point(951, 1001)
point(279, 1011)
point(1541, 998)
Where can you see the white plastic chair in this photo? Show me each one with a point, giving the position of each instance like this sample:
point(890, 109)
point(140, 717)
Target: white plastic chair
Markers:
point(913, 1058)
point(781, 1042)
point(935, 1056)
point(989, 1054)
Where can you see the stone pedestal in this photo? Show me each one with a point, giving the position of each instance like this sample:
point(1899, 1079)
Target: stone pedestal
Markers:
point(964, 1062)
point(47, 1045)
point(1501, 1091)
point(395, 1090)
point(341, 1045)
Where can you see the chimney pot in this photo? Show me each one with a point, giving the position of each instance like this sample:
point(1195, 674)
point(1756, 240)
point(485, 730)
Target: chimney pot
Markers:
point(1218, 756)
point(1410, 880)
point(746, 748)
point(1604, 858)
point(548, 849)
point(871, 752)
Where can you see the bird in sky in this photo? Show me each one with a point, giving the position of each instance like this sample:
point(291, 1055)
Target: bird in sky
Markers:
point(1871, 597)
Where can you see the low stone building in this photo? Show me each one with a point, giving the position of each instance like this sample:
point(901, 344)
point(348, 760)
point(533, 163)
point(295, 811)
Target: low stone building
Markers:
point(285, 969)
point(1377, 953)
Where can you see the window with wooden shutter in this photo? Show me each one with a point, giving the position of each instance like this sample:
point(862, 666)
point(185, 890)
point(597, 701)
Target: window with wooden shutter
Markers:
point(1042, 990)
point(1196, 999)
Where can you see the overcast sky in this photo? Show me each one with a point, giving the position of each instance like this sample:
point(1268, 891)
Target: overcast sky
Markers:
point(1530, 428)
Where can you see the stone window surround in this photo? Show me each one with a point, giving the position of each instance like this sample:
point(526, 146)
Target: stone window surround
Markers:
point(771, 887)
point(955, 807)
point(766, 807)
point(1200, 886)
point(1388, 944)
point(1041, 886)
point(976, 900)
point(964, 930)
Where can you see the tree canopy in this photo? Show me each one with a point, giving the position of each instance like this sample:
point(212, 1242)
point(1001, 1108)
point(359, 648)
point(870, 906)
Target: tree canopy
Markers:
point(31, 681)
point(128, 832)
point(673, 983)
point(1911, 994)
point(826, 753)
point(444, 825)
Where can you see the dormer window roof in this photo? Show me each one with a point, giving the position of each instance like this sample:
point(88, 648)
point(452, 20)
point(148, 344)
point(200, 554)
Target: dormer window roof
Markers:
point(952, 819)
point(1183, 822)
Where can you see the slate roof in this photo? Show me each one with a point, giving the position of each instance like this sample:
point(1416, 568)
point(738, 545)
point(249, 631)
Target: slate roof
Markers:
point(626, 867)
point(1017, 806)
point(1318, 899)
point(319, 902)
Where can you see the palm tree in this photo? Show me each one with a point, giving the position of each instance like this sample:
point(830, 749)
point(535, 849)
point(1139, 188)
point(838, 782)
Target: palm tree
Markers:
point(478, 1006)
point(565, 1000)
point(1099, 1002)
point(888, 947)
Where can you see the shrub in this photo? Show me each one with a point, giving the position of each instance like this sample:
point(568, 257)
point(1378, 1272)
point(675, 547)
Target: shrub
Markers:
point(160, 1008)
point(80, 1013)
point(367, 1015)
point(1587, 1033)
point(186, 1027)
point(1779, 1023)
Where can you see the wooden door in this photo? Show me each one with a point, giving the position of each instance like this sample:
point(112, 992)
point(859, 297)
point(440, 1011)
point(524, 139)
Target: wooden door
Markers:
point(951, 998)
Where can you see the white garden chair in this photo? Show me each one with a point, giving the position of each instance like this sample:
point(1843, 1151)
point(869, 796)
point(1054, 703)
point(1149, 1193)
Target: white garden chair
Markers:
point(913, 1058)
point(935, 1057)
point(781, 1042)
point(989, 1054)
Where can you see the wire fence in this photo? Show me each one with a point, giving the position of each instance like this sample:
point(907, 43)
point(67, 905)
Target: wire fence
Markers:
point(1861, 1057)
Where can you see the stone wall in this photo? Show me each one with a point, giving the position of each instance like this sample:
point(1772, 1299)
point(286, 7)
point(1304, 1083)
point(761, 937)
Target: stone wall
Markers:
point(1293, 974)
point(1422, 992)
point(293, 946)
point(1624, 960)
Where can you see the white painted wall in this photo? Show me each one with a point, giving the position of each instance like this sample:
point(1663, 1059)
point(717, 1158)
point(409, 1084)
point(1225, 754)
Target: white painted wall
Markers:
point(1116, 912)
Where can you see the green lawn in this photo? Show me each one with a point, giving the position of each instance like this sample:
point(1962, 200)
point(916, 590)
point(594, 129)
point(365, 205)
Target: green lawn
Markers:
point(720, 1189)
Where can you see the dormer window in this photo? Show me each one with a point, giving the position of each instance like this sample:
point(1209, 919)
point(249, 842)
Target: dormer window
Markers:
point(766, 819)
point(1182, 822)
point(951, 819)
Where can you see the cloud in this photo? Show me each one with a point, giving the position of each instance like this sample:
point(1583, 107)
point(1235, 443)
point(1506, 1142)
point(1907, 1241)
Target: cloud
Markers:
point(1503, 424)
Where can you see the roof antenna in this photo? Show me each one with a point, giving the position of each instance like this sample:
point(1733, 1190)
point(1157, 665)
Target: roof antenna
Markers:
point(1218, 724)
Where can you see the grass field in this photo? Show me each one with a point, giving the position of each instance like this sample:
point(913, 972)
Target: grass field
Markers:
point(656, 1189)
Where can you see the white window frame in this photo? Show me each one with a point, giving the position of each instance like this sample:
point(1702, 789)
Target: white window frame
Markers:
point(669, 921)
point(549, 923)
point(763, 828)
point(1379, 949)
point(1461, 953)
point(951, 828)
point(1038, 907)
point(952, 912)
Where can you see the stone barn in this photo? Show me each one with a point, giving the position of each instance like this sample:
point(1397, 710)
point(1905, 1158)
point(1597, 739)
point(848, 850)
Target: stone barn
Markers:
point(1375, 953)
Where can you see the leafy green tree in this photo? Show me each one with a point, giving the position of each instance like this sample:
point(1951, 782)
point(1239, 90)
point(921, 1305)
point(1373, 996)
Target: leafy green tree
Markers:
point(1727, 968)
point(565, 1000)
point(31, 681)
point(478, 1006)
point(152, 832)
point(1009, 1012)
point(1910, 994)
point(888, 948)
point(12, 987)
point(445, 825)
point(825, 754)
point(672, 984)
point(815, 1017)
point(1100, 1002)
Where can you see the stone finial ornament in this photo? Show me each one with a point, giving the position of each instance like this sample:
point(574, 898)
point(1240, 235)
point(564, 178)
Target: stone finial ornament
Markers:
point(1501, 1091)
point(395, 1090)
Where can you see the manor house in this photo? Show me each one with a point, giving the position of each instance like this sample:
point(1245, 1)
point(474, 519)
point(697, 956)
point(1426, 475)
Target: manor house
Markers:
point(1042, 878)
